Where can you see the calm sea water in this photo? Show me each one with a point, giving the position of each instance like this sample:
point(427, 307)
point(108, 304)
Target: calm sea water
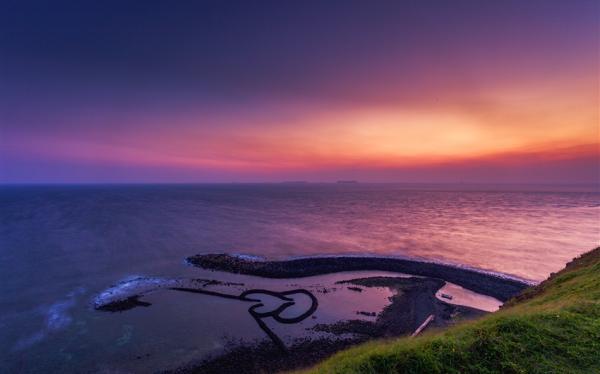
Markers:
point(61, 245)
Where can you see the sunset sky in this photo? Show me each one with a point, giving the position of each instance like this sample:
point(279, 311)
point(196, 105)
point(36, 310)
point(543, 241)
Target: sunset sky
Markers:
point(220, 91)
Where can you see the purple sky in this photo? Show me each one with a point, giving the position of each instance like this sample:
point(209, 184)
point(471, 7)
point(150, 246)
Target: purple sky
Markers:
point(220, 91)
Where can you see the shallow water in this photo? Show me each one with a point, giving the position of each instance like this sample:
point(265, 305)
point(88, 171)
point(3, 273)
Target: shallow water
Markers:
point(180, 327)
point(62, 245)
point(463, 296)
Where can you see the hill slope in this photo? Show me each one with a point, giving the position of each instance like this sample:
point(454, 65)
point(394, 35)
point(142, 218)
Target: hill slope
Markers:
point(550, 328)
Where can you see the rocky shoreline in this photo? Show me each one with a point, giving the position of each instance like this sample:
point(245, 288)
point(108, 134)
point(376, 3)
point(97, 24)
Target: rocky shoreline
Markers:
point(502, 288)
point(414, 300)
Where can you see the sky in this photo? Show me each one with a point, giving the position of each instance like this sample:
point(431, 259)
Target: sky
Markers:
point(268, 91)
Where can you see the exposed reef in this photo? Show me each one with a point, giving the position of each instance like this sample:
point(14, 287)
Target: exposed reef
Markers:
point(412, 303)
point(414, 300)
point(500, 287)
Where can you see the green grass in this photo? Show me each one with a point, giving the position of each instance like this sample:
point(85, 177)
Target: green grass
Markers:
point(551, 328)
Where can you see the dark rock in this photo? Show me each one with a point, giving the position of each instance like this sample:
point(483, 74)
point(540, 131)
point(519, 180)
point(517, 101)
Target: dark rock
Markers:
point(488, 284)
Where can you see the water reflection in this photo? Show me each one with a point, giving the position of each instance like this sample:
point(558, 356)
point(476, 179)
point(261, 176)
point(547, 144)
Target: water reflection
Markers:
point(271, 304)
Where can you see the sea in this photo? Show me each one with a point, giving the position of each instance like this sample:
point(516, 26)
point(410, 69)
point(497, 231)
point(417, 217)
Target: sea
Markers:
point(62, 245)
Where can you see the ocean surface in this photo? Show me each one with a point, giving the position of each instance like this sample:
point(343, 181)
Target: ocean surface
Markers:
point(60, 246)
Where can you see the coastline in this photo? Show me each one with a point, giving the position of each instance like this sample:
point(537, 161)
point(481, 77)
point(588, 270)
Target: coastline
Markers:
point(486, 283)
point(412, 302)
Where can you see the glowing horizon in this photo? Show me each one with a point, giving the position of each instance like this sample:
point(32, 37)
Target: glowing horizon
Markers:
point(414, 104)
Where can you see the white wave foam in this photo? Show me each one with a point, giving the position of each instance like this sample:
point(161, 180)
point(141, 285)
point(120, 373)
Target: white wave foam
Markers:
point(57, 317)
point(249, 257)
point(132, 286)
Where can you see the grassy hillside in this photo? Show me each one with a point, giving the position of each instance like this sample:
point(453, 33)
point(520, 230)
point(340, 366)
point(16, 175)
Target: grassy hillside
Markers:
point(551, 328)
